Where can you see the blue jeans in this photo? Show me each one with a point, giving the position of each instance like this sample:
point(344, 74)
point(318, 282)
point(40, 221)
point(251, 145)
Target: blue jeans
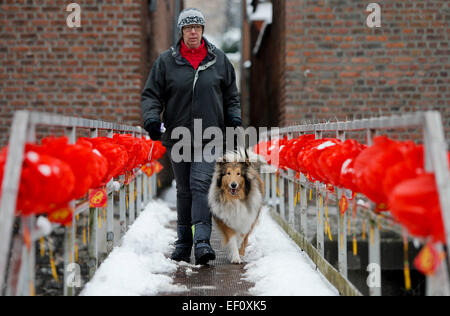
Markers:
point(193, 180)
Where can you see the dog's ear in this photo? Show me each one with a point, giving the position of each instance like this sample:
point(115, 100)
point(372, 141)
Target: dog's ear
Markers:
point(220, 170)
point(248, 184)
point(219, 180)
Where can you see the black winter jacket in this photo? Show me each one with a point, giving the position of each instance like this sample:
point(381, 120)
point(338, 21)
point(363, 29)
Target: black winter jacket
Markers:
point(183, 94)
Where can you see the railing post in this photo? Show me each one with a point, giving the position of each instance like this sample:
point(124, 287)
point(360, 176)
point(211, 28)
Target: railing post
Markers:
point(131, 204)
point(69, 236)
point(303, 207)
point(110, 212)
point(139, 194)
point(320, 211)
point(374, 257)
point(374, 242)
point(122, 209)
point(10, 188)
point(93, 230)
point(144, 191)
point(273, 191)
point(342, 228)
point(436, 162)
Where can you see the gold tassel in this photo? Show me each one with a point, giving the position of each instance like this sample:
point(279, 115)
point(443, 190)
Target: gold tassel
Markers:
point(295, 198)
point(52, 262)
point(32, 289)
point(42, 246)
point(84, 230)
point(99, 219)
point(329, 233)
point(407, 271)
point(372, 234)
point(89, 231)
point(364, 230)
point(355, 246)
point(277, 184)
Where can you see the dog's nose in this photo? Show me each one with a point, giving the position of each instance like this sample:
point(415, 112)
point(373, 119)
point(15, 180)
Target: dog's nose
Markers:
point(234, 185)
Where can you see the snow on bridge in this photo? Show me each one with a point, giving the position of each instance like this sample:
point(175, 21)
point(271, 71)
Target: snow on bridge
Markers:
point(274, 264)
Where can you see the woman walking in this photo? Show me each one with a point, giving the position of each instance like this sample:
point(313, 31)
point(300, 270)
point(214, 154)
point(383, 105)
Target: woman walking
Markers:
point(192, 81)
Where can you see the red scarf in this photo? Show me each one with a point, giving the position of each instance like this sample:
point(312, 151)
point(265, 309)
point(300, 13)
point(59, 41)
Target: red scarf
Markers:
point(194, 56)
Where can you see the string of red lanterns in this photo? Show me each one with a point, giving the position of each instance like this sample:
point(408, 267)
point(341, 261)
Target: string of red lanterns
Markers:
point(56, 172)
point(390, 173)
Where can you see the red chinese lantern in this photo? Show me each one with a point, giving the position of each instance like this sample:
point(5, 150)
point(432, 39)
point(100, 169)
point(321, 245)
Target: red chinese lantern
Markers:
point(318, 172)
point(46, 183)
point(415, 203)
point(304, 154)
point(88, 165)
point(62, 215)
point(114, 153)
point(348, 176)
point(297, 145)
point(98, 165)
point(132, 146)
point(284, 161)
point(409, 167)
point(308, 155)
point(332, 159)
point(371, 164)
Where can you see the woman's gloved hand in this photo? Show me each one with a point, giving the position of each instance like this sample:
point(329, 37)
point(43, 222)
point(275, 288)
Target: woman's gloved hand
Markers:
point(154, 130)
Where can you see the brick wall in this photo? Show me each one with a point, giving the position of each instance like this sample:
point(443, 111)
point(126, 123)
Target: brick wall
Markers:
point(96, 71)
point(335, 67)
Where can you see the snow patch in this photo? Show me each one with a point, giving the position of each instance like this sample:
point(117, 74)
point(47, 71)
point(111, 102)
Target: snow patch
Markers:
point(139, 266)
point(278, 267)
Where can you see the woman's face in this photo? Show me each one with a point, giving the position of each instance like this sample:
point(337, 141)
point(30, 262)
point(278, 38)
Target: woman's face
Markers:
point(192, 35)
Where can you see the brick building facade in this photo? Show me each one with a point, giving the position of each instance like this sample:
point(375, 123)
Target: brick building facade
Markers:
point(326, 63)
point(96, 71)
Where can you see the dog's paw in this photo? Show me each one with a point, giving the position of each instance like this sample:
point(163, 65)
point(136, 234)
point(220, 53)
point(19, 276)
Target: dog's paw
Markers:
point(236, 260)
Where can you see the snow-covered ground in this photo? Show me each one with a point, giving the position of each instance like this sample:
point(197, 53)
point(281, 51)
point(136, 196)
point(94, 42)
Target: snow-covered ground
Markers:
point(275, 264)
point(140, 267)
point(278, 267)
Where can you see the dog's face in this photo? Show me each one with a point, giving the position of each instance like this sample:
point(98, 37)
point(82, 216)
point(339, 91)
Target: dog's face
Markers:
point(233, 180)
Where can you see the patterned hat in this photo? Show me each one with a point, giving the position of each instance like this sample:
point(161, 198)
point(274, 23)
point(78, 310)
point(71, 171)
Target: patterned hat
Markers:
point(191, 16)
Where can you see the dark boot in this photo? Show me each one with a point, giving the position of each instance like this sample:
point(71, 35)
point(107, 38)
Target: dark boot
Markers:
point(183, 246)
point(202, 247)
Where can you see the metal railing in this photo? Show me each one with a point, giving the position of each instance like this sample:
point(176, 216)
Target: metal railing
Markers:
point(17, 261)
point(295, 220)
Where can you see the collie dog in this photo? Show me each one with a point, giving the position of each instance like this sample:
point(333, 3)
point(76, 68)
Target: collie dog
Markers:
point(235, 199)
